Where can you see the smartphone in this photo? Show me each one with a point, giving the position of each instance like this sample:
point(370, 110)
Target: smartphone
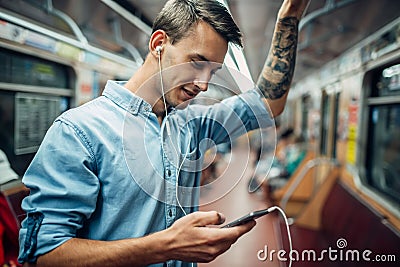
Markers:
point(251, 216)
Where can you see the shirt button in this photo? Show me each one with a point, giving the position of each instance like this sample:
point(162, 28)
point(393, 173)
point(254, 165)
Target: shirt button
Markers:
point(170, 213)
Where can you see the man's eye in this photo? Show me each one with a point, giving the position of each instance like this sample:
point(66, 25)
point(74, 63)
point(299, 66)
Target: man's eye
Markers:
point(198, 64)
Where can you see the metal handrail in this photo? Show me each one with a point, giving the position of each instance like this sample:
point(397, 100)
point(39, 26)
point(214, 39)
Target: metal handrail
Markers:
point(307, 167)
point(67, 19)
point(330, 6)
point(68, 40)
point(116, 26)
point(82, 38)
point(134, 20)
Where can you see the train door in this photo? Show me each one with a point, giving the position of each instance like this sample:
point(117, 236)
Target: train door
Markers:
point(305, 113)
point(329, 120)
point(33, 92)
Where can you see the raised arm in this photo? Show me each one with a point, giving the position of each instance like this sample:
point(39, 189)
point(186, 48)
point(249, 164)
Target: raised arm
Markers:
point(276, 76)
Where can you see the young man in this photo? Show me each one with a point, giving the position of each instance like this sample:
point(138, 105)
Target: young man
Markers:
point(105, 181)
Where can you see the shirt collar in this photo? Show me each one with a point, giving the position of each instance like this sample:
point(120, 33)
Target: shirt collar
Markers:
point(116, 92)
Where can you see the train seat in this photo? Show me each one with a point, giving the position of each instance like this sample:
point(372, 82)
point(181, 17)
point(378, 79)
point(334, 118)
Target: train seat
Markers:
point(8, 233)
point(14, 196)
point(303, 192)
point(11, 216)
point(346, 223)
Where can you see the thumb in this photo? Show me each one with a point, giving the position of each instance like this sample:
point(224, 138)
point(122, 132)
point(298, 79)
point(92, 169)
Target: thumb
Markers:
point(204, 218)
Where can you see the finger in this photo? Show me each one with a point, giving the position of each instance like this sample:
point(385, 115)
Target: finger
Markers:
point(208, 218)
point(244, 228)
point(221, 218)
point(248, 226)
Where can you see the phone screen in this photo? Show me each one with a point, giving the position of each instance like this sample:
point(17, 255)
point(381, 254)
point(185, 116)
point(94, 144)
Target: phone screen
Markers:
point(251, 216)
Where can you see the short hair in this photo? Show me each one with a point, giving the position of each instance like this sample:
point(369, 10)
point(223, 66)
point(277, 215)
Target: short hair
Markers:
point(179, 16)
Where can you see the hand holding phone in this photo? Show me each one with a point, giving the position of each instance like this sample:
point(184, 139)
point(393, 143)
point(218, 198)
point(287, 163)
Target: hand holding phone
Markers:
point(251, 216)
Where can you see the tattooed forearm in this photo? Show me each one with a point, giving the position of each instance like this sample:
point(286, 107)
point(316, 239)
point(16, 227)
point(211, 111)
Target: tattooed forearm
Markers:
point(278, 70)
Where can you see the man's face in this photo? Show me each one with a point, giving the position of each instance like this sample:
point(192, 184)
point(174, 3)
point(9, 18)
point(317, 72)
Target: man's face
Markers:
point(189, 64)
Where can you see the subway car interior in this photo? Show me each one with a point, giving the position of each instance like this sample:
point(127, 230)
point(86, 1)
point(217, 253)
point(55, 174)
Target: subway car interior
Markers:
point(329, 164)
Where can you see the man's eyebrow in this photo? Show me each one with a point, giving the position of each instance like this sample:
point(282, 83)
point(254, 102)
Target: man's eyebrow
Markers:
point(203, 58)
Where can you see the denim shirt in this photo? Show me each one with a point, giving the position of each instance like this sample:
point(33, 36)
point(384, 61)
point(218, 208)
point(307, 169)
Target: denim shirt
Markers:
point(107, 170)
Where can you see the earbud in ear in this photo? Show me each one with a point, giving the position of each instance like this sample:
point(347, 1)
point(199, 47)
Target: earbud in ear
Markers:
point(158, 49)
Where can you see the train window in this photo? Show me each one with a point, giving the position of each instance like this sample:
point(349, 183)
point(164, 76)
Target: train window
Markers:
point(389, 82)
point(19, 68)
point(384, 167)
point(383, 159)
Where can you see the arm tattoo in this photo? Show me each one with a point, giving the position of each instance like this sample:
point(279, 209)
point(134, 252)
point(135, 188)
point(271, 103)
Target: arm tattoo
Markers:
point(278, 70)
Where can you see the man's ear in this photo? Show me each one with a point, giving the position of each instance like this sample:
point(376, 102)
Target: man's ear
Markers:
point(157, 39)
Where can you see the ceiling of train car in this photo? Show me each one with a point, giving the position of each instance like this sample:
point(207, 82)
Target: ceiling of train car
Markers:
point(345, 23)
point(341, 24)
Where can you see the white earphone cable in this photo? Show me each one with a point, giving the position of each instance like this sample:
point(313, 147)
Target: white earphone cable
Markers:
point(158, 49)
point(186, 153)
point(169, 134)
point(177, 178)
point(287, 230)
point(163, 92)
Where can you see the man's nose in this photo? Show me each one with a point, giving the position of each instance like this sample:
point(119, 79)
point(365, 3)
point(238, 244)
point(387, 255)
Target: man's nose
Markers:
point(201, 85)
point(202, 80)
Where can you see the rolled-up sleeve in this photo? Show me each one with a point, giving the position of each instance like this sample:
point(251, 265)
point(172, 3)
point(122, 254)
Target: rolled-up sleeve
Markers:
point(63, 191)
